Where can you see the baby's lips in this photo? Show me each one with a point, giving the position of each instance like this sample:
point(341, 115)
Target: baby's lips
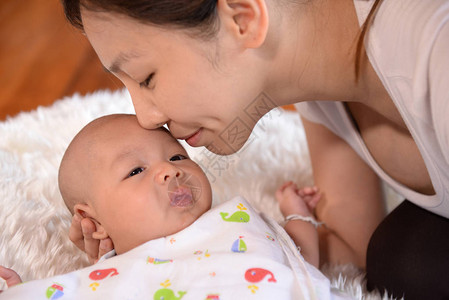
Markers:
point(186, 184)
point(181, 197)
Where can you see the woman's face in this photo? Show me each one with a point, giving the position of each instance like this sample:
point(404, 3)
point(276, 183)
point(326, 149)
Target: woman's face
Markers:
point(205, 91)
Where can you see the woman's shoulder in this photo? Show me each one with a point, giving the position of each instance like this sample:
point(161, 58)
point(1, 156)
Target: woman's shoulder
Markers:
point(400, 46)
point(404, 30)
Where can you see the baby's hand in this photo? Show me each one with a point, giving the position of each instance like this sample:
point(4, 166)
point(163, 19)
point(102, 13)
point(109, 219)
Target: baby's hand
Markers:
point(10, 276)
point(80, 233)
point(297, 201)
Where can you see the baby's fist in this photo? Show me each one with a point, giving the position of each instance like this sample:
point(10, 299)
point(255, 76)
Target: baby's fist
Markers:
point(10, 276)
point(293, 200)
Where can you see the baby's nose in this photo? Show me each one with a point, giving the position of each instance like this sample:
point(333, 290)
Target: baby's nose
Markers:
point(166, 173)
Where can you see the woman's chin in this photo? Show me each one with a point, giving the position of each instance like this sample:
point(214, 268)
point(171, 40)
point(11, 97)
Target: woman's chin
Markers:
point(224, 148)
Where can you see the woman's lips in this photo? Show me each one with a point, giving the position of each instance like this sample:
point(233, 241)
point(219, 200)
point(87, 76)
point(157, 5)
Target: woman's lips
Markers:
point(194, 139)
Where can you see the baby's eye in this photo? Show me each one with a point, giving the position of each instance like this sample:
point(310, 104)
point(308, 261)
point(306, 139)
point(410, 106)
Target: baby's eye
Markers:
point(136, 171)
point(178, 157)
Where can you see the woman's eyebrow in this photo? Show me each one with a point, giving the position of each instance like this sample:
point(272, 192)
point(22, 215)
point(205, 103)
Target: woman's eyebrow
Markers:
point(122, 58)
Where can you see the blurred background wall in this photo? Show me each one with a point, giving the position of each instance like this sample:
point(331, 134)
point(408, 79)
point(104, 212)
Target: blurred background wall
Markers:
point(43, 58)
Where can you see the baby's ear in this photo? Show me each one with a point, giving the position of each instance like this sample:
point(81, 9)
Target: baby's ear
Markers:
point(85, 211)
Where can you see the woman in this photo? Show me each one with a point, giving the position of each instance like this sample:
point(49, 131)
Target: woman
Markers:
point(373, 114)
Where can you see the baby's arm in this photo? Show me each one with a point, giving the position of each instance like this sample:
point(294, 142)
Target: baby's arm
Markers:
point(294, 201)
point(10, 276)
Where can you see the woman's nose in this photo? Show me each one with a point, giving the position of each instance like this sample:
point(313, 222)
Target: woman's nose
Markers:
point(166, 172)
point(148, 115)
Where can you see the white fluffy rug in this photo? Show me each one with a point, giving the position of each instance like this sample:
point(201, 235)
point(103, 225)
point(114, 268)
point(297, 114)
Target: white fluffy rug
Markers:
point(34, 221)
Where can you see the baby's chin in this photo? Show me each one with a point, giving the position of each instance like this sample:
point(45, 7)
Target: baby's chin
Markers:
point(185, 217)
point(196, 211)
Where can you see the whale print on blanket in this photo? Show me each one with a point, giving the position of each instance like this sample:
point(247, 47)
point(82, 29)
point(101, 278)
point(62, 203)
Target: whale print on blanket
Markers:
point(258, 274)
point(167, 294)
point(239, 216)
point(102, 274)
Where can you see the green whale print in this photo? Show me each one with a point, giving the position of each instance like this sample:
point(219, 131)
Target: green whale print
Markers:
point(238, 216)
point(167, 294)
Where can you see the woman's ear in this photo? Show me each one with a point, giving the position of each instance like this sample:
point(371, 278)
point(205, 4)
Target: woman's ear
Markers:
point(247, 20)
point(86, 211)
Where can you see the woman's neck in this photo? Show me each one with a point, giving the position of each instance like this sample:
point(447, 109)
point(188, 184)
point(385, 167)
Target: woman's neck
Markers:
point(316, 56)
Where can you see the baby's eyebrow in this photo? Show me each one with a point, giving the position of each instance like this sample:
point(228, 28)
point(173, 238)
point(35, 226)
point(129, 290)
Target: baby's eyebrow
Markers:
point(175, 145)
point(126, 154)
point(122, 155)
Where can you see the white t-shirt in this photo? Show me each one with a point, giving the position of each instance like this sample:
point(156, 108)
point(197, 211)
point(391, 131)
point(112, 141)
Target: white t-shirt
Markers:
point(408, 46)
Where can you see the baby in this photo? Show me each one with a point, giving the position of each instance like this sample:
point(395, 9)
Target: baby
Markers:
point(142, 191)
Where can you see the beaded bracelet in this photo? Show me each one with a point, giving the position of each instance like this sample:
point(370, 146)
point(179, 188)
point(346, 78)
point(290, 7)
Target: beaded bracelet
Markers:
point(302, 218)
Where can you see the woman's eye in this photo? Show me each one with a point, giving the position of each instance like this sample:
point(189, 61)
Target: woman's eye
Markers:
point(136, 171)
point(178, 157)
point(147, 81)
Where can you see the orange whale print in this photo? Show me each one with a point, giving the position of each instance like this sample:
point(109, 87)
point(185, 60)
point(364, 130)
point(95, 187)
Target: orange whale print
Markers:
point(102, 274)
point(258, 274)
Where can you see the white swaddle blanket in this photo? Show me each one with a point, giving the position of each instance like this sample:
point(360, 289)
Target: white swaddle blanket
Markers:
point(231, 252)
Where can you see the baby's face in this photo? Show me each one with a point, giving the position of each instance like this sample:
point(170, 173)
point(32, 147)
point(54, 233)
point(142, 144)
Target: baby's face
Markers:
point(144, 185)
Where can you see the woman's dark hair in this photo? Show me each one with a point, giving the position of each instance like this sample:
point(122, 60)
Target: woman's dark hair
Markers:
point(193, 14)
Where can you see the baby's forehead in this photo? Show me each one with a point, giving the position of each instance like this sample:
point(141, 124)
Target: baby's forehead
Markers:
point(119, 131)
point(115, 126)
point(128, 136)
